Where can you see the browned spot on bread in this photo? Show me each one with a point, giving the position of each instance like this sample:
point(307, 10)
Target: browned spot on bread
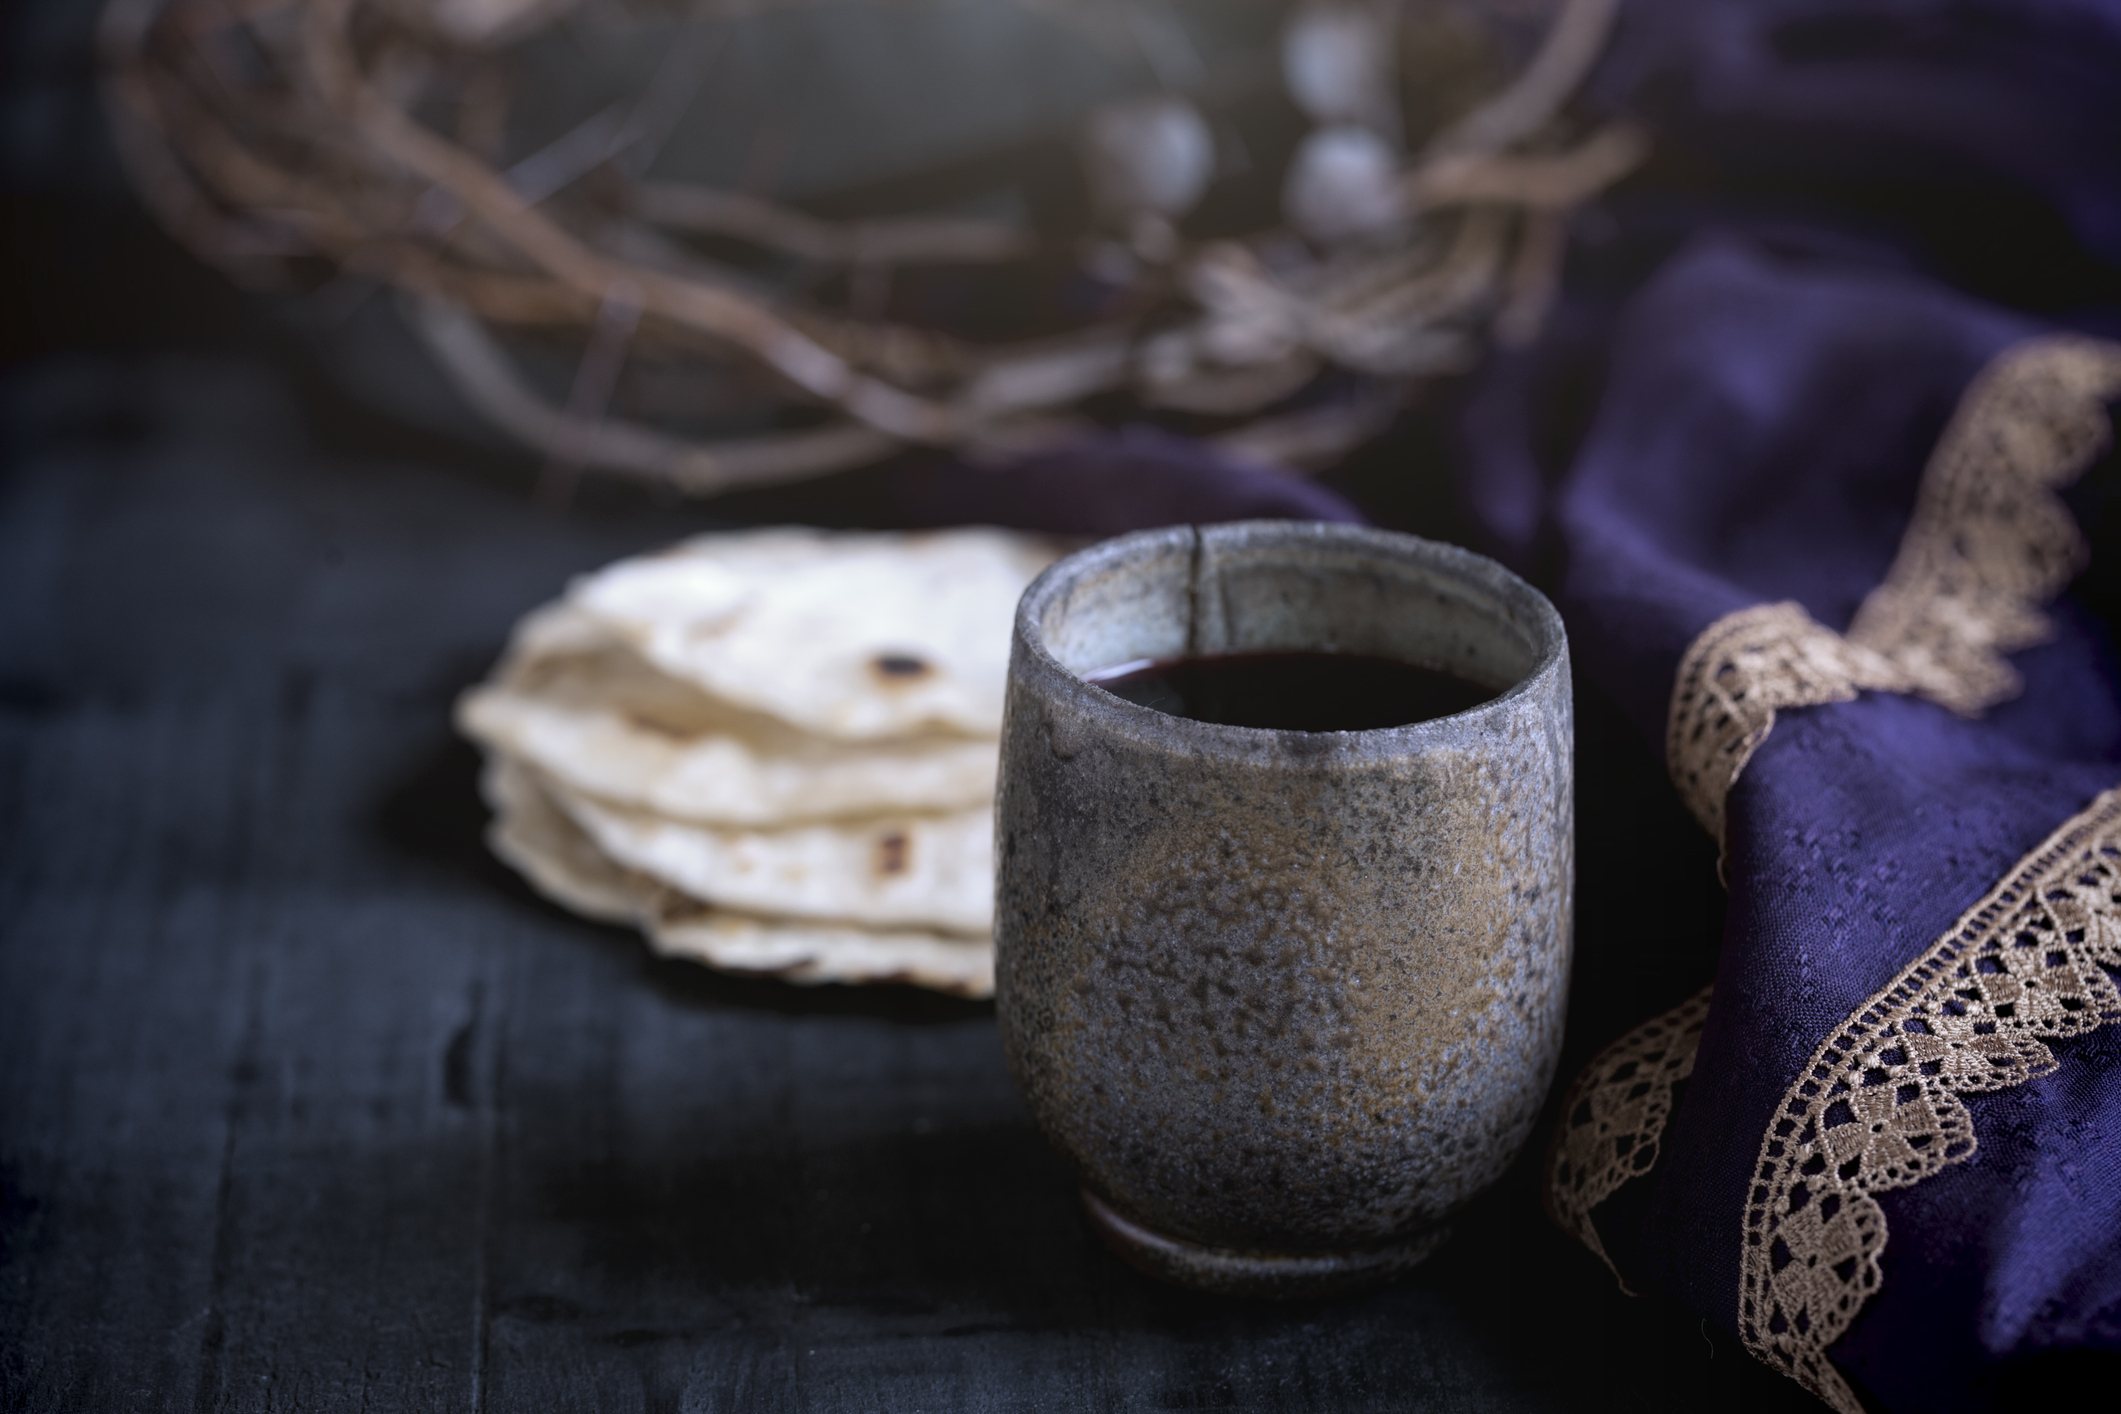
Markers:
point(659, 727)
point(891, 852)
point(899, 669)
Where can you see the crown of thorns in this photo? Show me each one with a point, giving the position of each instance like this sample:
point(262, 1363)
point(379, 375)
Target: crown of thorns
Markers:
point(296, 143)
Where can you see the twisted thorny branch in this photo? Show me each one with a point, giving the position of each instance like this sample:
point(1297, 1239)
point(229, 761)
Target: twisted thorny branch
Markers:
point(269, 133)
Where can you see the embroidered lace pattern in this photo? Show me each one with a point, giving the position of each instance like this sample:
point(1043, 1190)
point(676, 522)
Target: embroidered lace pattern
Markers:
point(1988, 543)
point(1733, 679)
point(1615, 1115)
point(1877, 1107)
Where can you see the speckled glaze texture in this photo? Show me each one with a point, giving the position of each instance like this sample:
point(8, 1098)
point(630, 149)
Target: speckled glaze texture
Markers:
point(1285, 999)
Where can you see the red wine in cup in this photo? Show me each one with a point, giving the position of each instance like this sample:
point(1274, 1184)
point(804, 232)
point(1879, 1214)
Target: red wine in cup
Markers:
point(1297, 692)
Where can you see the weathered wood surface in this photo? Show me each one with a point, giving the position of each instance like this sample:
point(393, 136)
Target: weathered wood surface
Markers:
point(307, 1103)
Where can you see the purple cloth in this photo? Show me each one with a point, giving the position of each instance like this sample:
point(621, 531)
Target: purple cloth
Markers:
point(1760, 438)
point(2007, 100)
point(1762, 341)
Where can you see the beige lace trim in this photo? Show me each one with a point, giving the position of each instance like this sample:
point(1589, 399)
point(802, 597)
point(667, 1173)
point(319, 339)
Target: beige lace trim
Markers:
point(1877, 1106)
point(1614, 1117)
point(1988, 543)
point(1741, 670)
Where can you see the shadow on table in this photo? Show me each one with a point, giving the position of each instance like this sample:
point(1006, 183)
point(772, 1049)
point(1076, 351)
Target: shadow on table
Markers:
point(969, 1244)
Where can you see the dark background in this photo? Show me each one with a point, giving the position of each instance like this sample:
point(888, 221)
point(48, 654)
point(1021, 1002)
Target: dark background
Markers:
point(307, 1102)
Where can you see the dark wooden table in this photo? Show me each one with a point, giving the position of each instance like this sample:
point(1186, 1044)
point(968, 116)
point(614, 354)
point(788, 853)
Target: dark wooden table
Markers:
point(305, 1102)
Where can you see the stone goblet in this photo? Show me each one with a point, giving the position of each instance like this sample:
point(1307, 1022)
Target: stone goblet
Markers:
point(1285, 1000)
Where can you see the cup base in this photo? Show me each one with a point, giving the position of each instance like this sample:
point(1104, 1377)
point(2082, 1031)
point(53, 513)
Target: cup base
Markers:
point(1231, 1271)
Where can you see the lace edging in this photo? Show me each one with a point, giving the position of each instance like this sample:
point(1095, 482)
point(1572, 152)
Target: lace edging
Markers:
point(1877, 1106)
point(1989, 540)
point(1733, 679)
point(1988, 543)
point(1614, 1117)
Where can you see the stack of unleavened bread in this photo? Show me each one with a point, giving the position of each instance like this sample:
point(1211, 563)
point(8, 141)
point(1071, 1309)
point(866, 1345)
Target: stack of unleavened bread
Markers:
point(774, 751)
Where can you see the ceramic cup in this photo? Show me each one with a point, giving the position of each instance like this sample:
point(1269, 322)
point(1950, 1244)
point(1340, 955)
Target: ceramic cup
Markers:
point(1286, 1000)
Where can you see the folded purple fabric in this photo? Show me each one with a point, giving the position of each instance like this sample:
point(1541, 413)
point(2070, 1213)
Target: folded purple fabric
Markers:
point(1761, 439)
point(1859, 208)
point(1882, 107)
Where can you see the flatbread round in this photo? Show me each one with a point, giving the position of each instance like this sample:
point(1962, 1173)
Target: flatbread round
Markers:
point(533, 837)
point(856, 637)
point(826, 952)
point(555, 630)
point(923, 871)
point(540, 841)
point(606, 724)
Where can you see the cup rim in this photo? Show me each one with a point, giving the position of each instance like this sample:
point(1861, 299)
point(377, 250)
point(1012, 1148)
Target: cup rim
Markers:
point(1529, 607)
